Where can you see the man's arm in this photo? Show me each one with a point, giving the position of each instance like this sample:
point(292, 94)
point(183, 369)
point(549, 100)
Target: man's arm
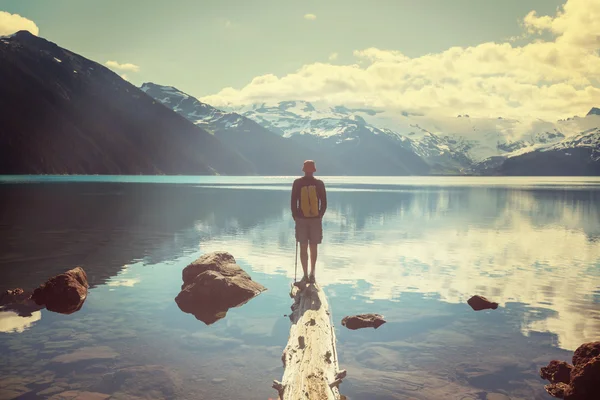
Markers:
point(323, 197)
point(294, 202)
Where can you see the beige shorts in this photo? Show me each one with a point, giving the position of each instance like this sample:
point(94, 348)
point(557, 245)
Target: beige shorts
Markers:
point(309, 230)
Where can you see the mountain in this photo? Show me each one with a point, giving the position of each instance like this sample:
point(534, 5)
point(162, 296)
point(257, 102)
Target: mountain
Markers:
point(575, 156)
point(594, 111)
point(61, 113)
point(344, 135)
point(341, 145)
point(270, 153)
point(449, 145)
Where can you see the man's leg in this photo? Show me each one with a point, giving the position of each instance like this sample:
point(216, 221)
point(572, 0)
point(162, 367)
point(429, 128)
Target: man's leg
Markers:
point(302, 239)
point(313, 258)
point(316, 236)
point(304, 258)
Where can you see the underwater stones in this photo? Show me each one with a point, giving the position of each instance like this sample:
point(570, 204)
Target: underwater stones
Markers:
point(582, 382)
point(146, 381)
point(64, 293)
point(479, 303)
point(86, 354)
point(213, 284)
point(77, 395)
point(363, 321)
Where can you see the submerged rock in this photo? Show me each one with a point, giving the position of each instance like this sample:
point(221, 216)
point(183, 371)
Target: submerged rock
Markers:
point(64, 293)
point(479, 303)
point(363, 321)
point(582, 380)
point(13, 296)
point(86, 354)
point(18, 301)
point(141, 382)
point(213, 284)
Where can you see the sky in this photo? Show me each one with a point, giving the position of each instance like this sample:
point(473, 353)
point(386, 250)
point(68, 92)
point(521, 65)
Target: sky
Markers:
point(513, 57)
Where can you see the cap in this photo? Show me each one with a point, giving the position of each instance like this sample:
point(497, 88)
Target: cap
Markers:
point(309, 166)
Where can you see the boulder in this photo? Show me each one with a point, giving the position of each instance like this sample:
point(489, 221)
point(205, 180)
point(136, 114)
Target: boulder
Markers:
point(557, 371)
point(13, 296)
point(213, 284)
point(479, 303)
point(583, 378)
point(64, 293)
point(585, 353)
point(363, 321)
point(19, 301)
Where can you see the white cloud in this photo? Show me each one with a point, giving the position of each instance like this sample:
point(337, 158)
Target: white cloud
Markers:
point(333, 56)
point(125, 77)
point(553, 78)
point(310, 17)
point(11, 23)
point(122, 67)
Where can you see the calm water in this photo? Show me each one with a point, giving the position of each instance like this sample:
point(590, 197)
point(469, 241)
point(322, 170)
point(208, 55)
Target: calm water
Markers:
point(412, 249)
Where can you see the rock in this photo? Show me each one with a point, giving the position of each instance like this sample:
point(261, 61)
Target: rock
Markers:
point(19, 301)
point(585, 381)
point(147, 381)
point(86, 354)
point(64, 293)
point(586, 352)
point(557, 371)
point(479, 303)
point(212, 285)
point(363, 321)
point(77, 395)
point(557, 390)
point(13, 296)
point(584, 377)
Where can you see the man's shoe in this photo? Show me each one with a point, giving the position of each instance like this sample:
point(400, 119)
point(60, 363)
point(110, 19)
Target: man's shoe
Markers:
point(311, 279)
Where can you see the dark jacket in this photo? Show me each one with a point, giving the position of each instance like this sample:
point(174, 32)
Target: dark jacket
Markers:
point(309, 198)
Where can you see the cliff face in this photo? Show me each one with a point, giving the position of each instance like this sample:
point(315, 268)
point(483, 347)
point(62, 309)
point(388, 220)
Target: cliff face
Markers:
point(61, 113)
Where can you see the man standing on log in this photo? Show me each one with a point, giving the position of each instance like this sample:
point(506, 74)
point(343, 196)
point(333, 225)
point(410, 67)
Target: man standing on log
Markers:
point(309, 202)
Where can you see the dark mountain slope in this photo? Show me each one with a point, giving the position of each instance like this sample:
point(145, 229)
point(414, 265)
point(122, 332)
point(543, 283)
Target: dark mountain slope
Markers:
point(61, 113)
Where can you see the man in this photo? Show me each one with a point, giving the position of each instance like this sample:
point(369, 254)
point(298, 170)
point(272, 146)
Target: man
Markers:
point(309, 202)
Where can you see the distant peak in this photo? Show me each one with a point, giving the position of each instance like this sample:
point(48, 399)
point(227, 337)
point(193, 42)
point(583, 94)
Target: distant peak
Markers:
point(594, 111)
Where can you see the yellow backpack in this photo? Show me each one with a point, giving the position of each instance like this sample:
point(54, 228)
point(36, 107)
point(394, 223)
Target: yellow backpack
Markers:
point(309, 202)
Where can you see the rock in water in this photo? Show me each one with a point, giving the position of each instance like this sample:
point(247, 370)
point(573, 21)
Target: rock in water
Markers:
point(557, 371)
point(363, 321)
point(13, 296)
point(479, 303)
point(585, 353)
point(213, 284)
point(64, 293)
point(582, 382)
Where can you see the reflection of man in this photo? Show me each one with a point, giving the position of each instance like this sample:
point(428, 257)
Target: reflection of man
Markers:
point(309, 202)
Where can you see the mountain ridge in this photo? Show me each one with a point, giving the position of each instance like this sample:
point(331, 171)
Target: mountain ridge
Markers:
point(62, 113)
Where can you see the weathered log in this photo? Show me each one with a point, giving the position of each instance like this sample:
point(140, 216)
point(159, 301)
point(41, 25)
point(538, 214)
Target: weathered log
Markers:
point(310, 357)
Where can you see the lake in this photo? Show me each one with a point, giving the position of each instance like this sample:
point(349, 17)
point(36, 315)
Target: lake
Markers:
point(411, 248)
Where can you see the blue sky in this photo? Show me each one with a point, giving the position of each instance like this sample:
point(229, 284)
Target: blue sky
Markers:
point(203, 47)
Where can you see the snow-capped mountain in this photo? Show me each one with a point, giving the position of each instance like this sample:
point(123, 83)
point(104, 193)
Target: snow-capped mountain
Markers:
point(461, 143)
point(302, 121)
point(270, 153)
point(277, 142)
point(391, 143)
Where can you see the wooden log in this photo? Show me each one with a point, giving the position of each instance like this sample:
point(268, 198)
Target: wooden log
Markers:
point(310, 357)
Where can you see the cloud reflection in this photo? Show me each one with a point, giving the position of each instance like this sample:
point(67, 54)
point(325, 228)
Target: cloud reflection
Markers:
point(536, 247)
point(11, 322)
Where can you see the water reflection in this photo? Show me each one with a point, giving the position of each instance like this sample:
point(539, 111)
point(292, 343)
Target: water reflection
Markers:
point(532, 247)
point(414, 253)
